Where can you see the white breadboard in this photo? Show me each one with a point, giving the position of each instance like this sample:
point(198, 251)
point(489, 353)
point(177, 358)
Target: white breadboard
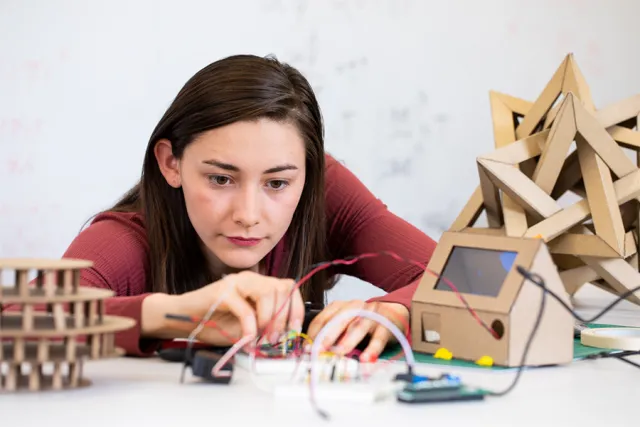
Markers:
point(342, 379)
point(330, 368)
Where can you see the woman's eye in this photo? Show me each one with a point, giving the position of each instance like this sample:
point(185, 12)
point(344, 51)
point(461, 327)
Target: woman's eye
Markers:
point(277, 184)
point(219, 179)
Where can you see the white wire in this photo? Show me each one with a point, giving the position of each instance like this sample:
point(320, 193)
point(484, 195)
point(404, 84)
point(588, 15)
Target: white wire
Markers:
point(215, 371)
point(349, 314)
point(209, 313)
point(253, 375)
point(270, 388)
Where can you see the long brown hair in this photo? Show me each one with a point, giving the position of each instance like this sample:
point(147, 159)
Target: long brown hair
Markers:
point(236, 88)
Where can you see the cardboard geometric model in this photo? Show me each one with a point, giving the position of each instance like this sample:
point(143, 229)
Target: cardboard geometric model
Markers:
point(594, 240)
point(43, 348)
point(482, 268)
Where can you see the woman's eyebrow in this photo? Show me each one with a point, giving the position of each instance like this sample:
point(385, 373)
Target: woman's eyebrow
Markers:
point(281, 168)
point(221, 165)
point(233, 168)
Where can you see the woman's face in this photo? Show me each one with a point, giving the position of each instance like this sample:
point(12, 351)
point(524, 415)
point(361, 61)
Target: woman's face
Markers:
point(242, 184)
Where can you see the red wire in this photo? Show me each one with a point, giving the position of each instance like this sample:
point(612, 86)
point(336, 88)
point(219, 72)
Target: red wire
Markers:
point(398, 258)
point(352, 261)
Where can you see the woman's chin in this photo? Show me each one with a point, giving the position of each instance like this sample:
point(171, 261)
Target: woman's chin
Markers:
point(244, 261)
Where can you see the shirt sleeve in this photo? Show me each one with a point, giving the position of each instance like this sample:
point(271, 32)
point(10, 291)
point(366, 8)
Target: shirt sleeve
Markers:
point(117, 246)
point(360, 223)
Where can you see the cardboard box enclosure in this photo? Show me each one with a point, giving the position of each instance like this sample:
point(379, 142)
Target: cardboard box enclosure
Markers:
point(483, 269)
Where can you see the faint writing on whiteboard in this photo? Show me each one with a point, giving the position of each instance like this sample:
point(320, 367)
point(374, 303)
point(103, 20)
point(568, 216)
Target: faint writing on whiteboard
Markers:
point(20, 128)
point(352, 64)
point(306, 55)
point(34, 69)
point(16, 166)
point(409, 127)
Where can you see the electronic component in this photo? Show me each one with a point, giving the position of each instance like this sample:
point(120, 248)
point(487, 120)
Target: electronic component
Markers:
point(480, 275)
point(447, 388)
point(178, 354)
point(445, 382)
point(440, 395)
point(202, 365)
point(174, 354)
point(337, 377)
point(332, 367)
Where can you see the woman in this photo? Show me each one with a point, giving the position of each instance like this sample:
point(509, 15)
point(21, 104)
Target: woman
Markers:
point(237, 198)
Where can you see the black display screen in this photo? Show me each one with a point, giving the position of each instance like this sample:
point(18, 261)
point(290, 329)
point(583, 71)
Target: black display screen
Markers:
point(476, 271)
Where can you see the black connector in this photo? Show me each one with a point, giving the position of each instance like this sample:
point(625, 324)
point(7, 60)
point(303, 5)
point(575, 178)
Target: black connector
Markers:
point(181, 354)
point(408, 376)
point(202, 366)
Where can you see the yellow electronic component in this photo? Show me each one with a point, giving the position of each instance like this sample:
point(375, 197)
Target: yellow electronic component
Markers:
point(485, 361)
point(443, 353)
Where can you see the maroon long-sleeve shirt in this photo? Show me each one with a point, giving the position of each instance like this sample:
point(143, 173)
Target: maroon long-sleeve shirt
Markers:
point(357, 222)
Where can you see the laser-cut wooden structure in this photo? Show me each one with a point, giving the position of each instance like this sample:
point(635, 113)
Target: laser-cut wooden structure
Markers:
point(594, 240)
point(482, 267)
point(42, 345)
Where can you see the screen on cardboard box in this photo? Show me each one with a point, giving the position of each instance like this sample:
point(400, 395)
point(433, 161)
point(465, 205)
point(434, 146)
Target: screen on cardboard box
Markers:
point(476, 271)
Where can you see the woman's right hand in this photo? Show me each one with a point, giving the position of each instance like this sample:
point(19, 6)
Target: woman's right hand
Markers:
point(248, 306)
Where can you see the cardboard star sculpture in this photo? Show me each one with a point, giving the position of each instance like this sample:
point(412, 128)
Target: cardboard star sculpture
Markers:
point(594, 240)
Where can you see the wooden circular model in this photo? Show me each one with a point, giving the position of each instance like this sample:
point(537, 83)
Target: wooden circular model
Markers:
point(42, 345)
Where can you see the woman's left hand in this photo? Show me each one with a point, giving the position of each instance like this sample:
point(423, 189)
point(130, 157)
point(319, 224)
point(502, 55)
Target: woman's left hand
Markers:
point(348, 334)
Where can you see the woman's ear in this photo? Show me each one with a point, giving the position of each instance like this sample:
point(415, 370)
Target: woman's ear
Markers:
point(168, 164)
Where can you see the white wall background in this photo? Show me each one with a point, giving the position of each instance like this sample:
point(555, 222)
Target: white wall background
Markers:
point(403, 86)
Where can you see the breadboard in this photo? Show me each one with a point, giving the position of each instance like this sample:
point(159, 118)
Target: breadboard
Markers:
point(330, 368)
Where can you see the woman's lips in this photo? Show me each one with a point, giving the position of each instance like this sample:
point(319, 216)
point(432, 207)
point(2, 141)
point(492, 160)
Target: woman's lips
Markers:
point(243, 241)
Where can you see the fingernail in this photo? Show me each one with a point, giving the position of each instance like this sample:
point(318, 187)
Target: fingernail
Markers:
point(369, 358)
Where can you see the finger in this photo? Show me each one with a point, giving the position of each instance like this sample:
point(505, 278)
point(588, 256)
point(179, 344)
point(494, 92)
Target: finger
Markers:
point(376, 346)
point(266, 306)
point(281, 312)
point(253, 288)
point(240, 308)
point(338, 329)
point(296, 309)
point(322, 318)
point(354, 334)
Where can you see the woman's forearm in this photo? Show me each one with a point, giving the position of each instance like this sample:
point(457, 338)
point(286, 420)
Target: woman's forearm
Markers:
point(154, 323)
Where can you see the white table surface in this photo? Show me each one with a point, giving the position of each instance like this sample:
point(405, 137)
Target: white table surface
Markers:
point(129, 392)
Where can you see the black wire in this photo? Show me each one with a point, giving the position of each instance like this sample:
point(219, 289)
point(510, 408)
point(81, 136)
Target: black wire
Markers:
point(609, 354)
point(531, 277)
point(528, 275)
point(539, 281)
point(395, 256)
point(622, 359)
